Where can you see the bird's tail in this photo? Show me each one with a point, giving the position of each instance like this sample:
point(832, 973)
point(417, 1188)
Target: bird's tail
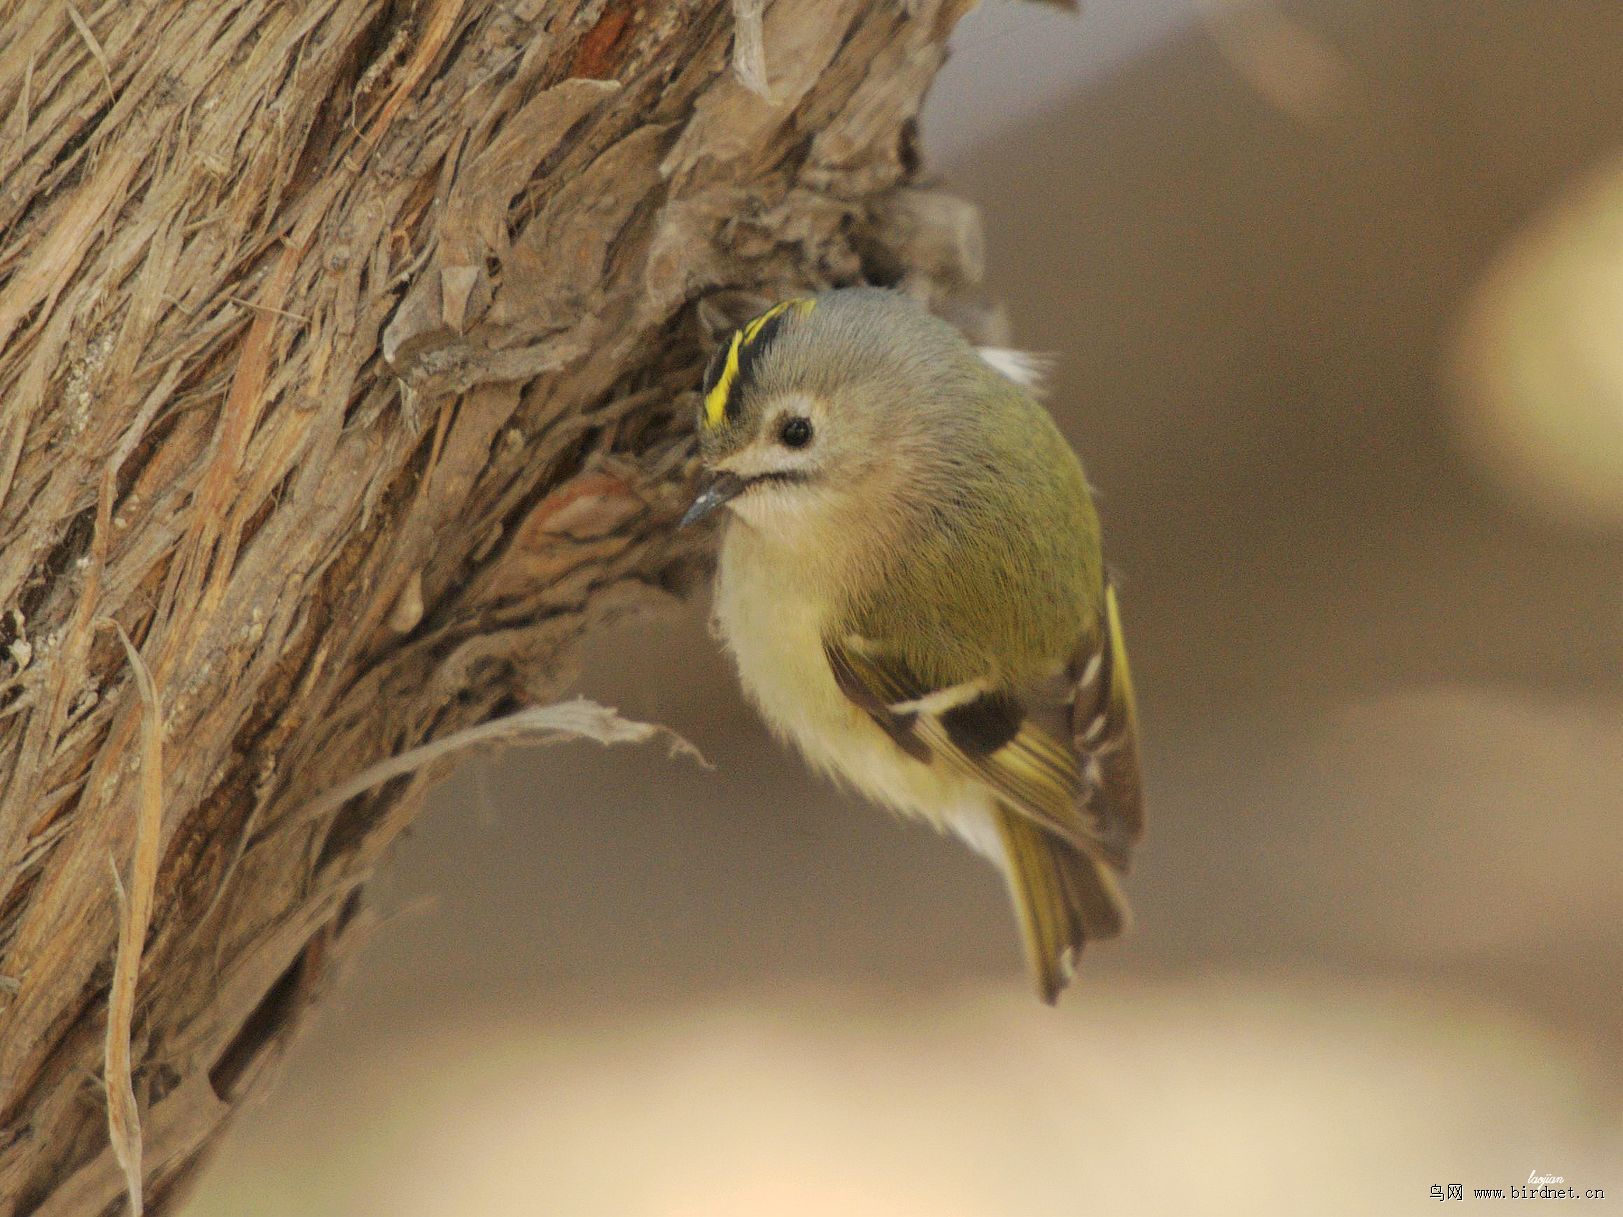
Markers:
point(1063, 897)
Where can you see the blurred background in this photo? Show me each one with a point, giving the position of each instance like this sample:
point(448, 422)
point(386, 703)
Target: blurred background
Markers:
point(1336, 296)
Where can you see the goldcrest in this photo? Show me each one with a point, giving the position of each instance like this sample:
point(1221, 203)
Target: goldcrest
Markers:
point(912, 585)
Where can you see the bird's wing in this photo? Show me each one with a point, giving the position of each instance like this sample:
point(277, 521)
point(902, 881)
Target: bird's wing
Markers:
point(1104, 736)
point(1062, 752)
point(983, 732)
point(1059, 756)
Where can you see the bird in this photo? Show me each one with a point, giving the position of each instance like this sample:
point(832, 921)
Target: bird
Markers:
point(910, 581)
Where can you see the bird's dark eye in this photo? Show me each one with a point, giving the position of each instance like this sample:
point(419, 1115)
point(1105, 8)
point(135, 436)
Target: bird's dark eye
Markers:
point(795, 432)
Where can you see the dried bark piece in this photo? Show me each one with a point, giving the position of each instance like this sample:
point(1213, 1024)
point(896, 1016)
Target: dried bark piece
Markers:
point(390, 318)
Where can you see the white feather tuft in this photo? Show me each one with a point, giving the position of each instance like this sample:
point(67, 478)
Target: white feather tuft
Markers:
point(1025, 368)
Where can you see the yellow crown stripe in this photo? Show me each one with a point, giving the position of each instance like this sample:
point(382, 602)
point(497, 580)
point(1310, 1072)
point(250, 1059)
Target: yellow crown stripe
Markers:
point(715, 403)
point(752, 331)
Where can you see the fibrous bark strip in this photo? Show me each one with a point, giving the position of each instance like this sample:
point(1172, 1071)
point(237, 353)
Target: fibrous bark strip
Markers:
point(347, 354)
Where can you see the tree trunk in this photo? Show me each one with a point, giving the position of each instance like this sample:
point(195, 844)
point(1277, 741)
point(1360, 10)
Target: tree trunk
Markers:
point(347, 356)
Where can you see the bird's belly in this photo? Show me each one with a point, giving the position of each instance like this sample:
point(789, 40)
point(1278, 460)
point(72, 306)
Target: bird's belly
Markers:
point(774, 627)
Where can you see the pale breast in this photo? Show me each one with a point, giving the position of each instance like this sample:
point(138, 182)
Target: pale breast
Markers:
point(772, 619)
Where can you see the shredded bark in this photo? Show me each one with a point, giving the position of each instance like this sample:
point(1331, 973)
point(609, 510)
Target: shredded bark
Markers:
point(347, 365)
point(577, 719)
point(123, 1117)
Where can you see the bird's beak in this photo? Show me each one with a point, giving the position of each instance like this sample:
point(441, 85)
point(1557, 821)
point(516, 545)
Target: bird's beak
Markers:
point(722, 487)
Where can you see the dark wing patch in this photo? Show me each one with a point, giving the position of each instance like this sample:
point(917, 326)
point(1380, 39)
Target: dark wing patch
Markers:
point(980, 727)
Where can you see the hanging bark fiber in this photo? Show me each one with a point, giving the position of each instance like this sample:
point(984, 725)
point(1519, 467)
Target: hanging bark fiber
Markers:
point(347, 362)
